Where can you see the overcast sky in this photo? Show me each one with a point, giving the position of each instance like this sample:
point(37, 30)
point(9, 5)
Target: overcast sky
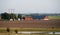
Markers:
point(30, 6)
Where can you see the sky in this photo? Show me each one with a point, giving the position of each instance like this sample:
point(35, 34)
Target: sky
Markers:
point(30, 6)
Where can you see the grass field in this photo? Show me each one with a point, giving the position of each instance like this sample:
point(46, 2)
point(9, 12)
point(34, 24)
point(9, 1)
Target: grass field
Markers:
point(54, 17)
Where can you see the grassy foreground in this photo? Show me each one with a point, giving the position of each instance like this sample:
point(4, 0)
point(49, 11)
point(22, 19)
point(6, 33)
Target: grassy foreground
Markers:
point(4, 32)
point(25, 34)
point(31, 29)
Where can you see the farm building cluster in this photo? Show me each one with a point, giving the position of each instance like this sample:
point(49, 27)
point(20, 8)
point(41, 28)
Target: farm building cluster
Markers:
point(19, 17)
point(35, 17)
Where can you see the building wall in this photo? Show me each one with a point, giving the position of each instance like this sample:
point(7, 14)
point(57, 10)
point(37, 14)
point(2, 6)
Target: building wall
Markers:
point(28, 18)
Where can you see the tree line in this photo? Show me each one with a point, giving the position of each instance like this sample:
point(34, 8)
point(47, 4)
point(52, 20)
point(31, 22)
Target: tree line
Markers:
point(7, 16)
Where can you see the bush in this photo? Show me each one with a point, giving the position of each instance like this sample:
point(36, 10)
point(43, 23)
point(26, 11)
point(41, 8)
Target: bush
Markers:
point(16, 31)
point(8, 30)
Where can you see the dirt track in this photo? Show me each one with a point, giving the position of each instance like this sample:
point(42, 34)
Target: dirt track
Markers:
point(31, 24)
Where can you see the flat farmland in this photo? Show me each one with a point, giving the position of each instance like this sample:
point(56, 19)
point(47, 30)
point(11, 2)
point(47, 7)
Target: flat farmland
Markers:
point(33, 25)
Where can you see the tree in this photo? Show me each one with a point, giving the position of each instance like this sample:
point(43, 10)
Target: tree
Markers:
point(12, 16)
point(20, 16)
point(5, 16)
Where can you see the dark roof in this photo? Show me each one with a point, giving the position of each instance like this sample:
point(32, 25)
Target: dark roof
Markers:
point(38, 16)
point(31, 24)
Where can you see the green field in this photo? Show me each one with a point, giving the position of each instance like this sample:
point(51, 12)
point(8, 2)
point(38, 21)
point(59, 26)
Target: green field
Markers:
point(54, 17)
